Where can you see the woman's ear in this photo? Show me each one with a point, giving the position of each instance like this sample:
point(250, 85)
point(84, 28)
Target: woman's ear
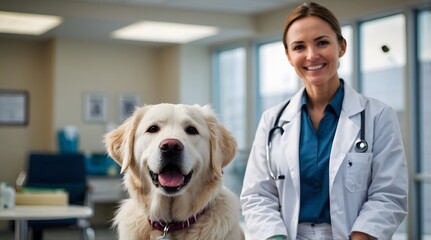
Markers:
point(343, 47)
point(288, 57)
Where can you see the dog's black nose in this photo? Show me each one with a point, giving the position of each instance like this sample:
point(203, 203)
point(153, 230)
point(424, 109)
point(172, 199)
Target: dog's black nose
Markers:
point(171, 146)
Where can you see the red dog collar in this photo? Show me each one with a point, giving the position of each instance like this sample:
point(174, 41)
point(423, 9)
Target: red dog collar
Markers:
point(174, 226)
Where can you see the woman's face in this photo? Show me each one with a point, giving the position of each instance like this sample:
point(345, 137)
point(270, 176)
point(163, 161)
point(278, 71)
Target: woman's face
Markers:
point(313, 50)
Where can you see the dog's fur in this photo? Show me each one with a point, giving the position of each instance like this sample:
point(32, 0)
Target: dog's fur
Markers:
point(205, 147)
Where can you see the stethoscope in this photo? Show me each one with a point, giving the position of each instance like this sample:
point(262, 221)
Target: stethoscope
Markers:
point(361, 144)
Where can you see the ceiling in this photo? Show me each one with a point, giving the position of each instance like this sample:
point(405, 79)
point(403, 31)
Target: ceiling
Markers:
point(96, 19)
point(229, 6)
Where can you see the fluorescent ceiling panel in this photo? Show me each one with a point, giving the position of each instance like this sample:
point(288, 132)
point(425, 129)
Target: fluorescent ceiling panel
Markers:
point(25, 23)
point(164, 32)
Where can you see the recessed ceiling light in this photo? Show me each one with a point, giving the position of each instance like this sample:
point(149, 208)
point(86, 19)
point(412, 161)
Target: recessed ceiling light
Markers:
point(164, 32)
point(25, 23)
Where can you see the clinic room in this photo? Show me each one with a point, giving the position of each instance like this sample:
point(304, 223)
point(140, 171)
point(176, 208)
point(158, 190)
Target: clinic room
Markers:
point(215, 119)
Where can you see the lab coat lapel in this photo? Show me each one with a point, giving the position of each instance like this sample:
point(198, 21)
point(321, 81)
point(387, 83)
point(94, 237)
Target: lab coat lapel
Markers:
point(290, 139)
point(347, 130)
point(345, 136)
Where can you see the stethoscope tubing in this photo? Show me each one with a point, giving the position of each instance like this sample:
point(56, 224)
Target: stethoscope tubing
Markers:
point(361, 144)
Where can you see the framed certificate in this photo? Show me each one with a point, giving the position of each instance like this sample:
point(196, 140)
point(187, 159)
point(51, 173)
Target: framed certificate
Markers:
point(95, 107)
point(14, 107)
point(127, 104)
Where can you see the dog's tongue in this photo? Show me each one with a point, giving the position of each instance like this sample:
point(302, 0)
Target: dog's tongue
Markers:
point(171, 178)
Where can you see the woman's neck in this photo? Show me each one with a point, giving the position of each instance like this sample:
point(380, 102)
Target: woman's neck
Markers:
point(320, 96)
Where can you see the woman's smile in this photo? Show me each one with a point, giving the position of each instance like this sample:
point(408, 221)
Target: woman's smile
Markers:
point(314, 67)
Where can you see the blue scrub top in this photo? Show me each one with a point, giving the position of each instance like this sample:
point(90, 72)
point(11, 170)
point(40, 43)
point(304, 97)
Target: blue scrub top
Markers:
point(314, 152)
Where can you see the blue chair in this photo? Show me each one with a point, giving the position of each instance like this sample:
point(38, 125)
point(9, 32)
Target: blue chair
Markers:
point(66, 171)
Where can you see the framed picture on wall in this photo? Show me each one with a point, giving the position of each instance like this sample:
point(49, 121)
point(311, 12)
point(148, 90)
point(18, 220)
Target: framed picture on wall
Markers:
point(95, 107)
point(126, 105)
point(14, 107)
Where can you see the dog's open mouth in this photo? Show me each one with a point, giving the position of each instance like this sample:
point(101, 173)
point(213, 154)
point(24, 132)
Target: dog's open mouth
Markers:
point(171, 179)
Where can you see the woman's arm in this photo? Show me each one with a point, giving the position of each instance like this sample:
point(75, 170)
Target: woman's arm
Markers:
point(259, 197)
point(386, 205)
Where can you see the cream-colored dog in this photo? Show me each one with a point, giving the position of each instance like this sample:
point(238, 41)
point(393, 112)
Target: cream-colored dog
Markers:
point(172, 158)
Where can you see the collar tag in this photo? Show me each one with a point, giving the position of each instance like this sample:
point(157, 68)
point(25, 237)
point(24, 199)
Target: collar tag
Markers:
point(163, 237)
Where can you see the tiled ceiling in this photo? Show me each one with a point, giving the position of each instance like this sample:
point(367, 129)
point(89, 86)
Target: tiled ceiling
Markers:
point(227, 6)
point(96, 19)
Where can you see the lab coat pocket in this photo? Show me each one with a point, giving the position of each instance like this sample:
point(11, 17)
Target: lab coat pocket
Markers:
point(358, 170)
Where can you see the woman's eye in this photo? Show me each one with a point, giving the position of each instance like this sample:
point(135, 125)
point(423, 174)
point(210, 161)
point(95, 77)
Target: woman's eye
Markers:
point(191, 130)
point(153, 129)
point(298, 47)
point(321, 43)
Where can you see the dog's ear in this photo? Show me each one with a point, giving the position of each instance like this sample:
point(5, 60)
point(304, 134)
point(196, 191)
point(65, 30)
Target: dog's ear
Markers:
point(119, 142)
point(223, 144)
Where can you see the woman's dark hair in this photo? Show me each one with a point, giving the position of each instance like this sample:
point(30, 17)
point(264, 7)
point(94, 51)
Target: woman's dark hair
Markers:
point(312, 9)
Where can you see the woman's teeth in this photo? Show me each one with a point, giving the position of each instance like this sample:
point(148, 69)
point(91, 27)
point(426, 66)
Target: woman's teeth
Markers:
point(315, 67)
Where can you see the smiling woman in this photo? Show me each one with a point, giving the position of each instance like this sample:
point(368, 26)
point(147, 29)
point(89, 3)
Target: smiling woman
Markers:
point(325, 187)
point(313, 49)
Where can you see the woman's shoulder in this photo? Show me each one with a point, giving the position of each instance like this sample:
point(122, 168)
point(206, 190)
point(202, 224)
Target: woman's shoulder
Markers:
point(277, 108)
point(377, 103)
point(374, 104)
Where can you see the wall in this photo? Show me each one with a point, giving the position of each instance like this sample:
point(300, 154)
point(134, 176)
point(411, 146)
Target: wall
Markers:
point(195, 81)
point(84, 67)
point(26, 66)
point(184, 74)
point(168, 68)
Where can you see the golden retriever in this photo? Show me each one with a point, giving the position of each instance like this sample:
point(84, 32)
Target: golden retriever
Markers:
point(172, 157)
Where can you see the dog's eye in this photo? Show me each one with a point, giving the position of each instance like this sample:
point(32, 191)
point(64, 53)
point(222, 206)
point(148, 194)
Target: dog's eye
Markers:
point(153, 129)
point(191, 130)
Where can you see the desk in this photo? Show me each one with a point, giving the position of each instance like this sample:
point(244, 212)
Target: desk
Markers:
point(105, 189)
point(21, 214)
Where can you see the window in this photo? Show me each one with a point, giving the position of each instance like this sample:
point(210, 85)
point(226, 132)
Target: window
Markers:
point(231, 92)
point(277, 79)
point(231, 104)
point(382, 60)
point(345, 71)
point(424, 73)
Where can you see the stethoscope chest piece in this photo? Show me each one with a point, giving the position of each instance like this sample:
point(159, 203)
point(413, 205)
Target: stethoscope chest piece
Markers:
point(361, 146)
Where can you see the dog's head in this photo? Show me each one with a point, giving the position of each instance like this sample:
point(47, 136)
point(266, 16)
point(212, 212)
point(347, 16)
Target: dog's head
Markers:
point(172, 145)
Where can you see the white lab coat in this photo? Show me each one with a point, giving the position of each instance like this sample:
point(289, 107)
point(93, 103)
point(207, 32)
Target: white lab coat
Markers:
point(369, 196)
